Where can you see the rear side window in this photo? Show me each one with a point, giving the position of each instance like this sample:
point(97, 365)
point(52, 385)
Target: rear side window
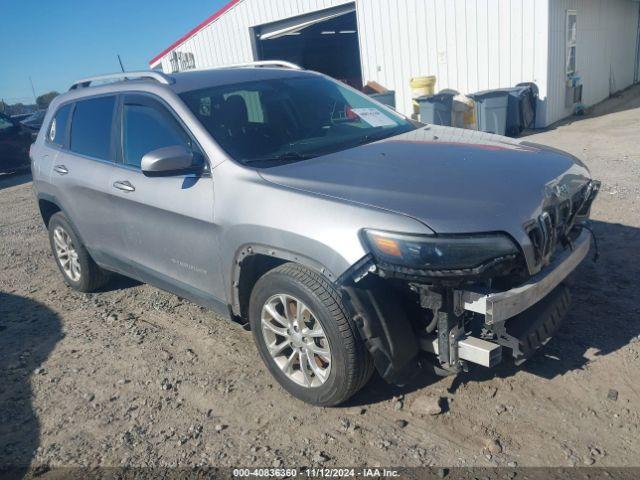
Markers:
point(147, 127)
point(58, 129)
point(91, 127)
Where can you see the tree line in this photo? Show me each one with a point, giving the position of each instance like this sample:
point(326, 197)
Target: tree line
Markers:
point(42, 103)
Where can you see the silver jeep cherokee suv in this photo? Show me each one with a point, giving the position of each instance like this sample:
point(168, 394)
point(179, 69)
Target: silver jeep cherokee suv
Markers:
point(348, 237)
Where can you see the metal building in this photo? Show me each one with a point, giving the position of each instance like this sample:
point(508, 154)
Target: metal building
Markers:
point(576, 51)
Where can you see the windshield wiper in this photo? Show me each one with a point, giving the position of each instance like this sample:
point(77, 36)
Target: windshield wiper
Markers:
point(282, 157)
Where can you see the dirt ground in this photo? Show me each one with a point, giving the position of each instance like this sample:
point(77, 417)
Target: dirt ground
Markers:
point(137, 377)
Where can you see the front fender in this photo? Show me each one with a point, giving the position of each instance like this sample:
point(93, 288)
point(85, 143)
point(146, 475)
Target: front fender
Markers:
point(319, 231)
point(277, 253)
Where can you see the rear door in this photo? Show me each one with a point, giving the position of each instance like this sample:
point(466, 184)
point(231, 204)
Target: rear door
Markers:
point(81, 173)
point(166, 223)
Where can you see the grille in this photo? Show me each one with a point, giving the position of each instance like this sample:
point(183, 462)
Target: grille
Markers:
point(556, 221)
point(543, 235)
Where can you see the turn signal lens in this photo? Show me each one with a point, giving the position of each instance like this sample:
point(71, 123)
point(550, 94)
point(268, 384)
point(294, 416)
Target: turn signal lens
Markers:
point(387, 246)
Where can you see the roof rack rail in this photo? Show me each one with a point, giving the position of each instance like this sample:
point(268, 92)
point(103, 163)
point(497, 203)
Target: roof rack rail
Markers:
point(157, 76)
point(262, 63)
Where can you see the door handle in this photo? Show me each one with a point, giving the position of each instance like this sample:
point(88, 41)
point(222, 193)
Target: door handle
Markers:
point(61, 169)
point(124, 185)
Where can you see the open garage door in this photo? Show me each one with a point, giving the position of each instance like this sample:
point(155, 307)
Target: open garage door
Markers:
point(325, 41)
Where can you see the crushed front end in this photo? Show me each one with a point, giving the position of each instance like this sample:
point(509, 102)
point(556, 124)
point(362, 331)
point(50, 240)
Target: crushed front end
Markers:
point(447, 300)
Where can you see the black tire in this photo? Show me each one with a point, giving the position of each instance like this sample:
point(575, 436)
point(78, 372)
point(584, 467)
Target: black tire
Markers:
point(351, 364)
point(92, 276)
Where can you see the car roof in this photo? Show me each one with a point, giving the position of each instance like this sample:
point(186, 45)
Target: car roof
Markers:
point(199, 79)
point(179, 82)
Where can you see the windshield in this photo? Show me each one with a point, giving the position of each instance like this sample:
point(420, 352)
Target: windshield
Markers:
point(269, 122)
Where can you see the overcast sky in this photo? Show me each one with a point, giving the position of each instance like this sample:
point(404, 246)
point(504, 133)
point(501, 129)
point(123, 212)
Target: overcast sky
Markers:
point(57, 42)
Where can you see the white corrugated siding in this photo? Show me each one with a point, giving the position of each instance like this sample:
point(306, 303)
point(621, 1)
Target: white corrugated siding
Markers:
point(605, 50)
point(469, 45)
point(227, 40)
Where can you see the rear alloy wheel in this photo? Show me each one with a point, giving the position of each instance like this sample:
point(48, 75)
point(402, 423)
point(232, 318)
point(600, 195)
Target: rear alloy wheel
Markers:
point(66, 254)
point(306, 337)
point(78, 269)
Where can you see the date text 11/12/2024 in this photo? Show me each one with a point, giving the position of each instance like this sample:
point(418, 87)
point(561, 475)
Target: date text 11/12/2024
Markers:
point(315, 472)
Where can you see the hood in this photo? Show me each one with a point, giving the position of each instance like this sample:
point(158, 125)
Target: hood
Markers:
point(452, 180)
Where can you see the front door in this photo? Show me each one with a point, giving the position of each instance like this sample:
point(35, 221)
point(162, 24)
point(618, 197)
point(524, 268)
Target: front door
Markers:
point(166, 222)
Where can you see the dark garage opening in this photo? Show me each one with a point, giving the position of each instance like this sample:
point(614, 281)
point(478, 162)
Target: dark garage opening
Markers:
point(325, 41)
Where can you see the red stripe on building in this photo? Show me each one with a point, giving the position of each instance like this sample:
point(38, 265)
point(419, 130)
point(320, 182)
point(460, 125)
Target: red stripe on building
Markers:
point(191, 33)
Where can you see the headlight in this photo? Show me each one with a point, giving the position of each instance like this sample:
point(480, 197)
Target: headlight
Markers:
point(424, 252)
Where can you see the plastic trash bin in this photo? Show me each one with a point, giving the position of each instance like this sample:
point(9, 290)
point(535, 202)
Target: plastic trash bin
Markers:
point(527, 99)
point(507, 111)
point(492, 110)
point(437, 109)
point(387, 98)
point(421, 87)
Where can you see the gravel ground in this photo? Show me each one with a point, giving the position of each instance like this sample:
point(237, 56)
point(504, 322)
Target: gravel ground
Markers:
point(137, 377)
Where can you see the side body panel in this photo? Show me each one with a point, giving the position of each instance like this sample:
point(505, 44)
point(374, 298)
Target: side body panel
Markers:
point(83, 194)
point(43, 158)
point(165, 222)
point(167, 227)
point(251, 211)
point(170, 229)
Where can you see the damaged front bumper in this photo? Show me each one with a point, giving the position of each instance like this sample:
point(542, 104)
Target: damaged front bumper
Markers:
point(467, 324)
point(500, 306)
point(521, 319)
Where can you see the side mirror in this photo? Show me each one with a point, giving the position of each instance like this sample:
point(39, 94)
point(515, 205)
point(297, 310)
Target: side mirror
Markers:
point(168, 161)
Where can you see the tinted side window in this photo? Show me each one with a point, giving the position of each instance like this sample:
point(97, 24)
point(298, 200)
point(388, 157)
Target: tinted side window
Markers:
point(91, 127)
point(146, 128)
point(57, 133)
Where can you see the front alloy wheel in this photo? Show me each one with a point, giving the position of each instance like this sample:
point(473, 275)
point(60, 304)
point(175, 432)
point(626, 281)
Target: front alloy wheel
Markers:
point(306, 337)
point(296, 340)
